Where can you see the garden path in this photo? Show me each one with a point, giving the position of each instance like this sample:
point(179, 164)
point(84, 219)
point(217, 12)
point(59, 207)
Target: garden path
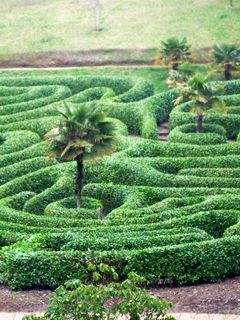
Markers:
point(178, 316)
point(163, 131)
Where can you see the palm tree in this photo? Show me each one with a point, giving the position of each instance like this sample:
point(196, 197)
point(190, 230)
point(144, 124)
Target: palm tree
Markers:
point(226, 55)
point(184, 72)
point(84, 133)
point(175, 51)
point(202, 93)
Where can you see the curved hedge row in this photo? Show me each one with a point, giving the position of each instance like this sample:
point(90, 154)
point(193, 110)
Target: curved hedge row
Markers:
point(170, 211)
point(212, 134)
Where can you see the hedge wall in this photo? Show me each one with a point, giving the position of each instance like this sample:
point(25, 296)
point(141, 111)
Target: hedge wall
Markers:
point(170, 211)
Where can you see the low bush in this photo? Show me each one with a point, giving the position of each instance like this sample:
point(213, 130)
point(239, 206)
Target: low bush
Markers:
point(67, 208)
point(212, 134)
point(205, 261)
point(104, 302)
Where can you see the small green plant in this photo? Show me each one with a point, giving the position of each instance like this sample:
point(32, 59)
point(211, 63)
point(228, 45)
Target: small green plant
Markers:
point(102, 273)
point(174, 52)
point(76, 301)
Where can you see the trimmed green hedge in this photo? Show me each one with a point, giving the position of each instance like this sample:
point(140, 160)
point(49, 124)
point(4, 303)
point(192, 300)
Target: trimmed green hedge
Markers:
point(169, 211)
point(212, 134)
point(67, 208)
point(201, 261)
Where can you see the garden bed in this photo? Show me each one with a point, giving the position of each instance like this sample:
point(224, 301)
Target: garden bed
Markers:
point(222, 297)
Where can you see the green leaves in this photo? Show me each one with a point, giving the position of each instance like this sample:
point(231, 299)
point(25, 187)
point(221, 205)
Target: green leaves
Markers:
point(226, 53)
point(174, 49)
point(201, 94)
point(83, 131)
point(76, 301)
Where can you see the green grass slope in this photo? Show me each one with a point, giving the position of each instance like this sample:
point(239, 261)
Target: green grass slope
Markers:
point(36, 26)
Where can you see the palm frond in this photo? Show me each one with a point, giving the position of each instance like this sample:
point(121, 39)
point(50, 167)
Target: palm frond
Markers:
point(226, 53)
point(197, 109)
point(83, 131)
point(219, 106)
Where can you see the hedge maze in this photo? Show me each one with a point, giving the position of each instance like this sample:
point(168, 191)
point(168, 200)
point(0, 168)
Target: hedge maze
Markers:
point(171, 210)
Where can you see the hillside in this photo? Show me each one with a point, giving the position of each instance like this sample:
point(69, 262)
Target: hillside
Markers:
point(131, 29)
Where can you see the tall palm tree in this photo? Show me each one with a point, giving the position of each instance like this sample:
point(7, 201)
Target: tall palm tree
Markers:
point(202, 93)
point(226, 55)
point(84, 133)
point(184, 72)
point(175, 51)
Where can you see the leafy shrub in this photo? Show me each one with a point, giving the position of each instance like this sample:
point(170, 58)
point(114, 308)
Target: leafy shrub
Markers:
point(100, 302)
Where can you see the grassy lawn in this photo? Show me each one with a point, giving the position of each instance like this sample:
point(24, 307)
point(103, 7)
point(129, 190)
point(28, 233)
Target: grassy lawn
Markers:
point(156, 74)
point(34, 26)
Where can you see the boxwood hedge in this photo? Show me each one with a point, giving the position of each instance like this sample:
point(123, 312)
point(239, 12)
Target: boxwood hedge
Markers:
point(169, 211)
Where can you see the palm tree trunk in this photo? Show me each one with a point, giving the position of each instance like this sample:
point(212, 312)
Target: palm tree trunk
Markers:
point(175, 65)
point(79, 180)
point(228, 71)
point(134, 316)
point(97, 15)
point(199, 123)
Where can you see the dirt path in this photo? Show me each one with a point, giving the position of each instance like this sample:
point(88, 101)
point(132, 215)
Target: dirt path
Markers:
point(178, 316)
point(163, 131)
point(68, 58)
point(97, 57)
point(221, 298)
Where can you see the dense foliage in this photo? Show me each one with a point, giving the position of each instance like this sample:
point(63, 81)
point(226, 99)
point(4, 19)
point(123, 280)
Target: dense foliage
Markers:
point(83, 133)
point(170, 210)
point(75, 301)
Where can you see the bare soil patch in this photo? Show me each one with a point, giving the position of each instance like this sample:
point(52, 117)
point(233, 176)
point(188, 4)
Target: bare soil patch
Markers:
point(222, 297)
point(68, 58)
point(23, 301)
point(99, 57)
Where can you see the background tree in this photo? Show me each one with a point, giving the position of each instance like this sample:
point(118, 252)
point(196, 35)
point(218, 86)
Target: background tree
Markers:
point(202, 93)
point(226, 55)
point(174, 51)
point(84, 133)
point(97, 7)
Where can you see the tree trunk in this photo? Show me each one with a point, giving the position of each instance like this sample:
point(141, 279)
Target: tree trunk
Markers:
point(97, 15)
point(79, 180)
point(134, 316)
point(228, 71)
point(199, 123)
point(175, 65)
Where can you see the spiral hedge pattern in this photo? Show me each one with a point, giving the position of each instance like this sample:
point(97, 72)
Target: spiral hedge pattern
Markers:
point(171, 210)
